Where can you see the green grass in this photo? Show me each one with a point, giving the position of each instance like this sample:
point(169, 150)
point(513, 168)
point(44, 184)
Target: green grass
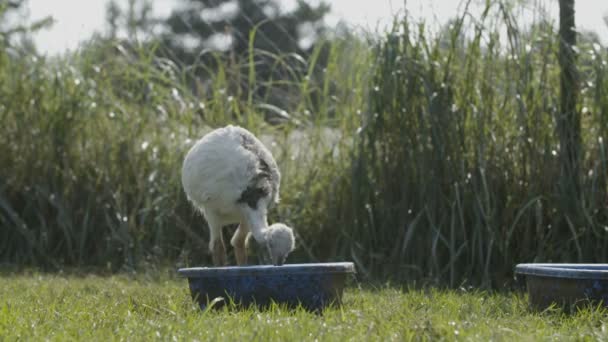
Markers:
point(158, 307)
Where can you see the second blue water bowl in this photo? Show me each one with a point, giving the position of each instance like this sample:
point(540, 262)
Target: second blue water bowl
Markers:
point(565, 285)
point(313, 286)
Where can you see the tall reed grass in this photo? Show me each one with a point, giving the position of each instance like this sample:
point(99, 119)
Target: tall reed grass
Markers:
point(456, 174)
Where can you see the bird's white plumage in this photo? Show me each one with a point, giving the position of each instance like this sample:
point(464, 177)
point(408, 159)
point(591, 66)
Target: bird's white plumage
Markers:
point(217, 170)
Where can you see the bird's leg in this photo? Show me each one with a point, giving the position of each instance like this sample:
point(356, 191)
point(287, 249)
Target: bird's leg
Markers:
point(238, 242)
point(216, 242)
point(218, 252)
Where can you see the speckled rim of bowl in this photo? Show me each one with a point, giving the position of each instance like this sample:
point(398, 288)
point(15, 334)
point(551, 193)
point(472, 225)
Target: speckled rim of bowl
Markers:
point(311, 268)
point(570, 271)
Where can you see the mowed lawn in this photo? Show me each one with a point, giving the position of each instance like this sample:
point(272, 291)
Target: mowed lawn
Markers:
point(60, 307)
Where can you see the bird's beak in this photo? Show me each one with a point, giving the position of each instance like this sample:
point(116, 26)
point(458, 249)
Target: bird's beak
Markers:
point(280, 260)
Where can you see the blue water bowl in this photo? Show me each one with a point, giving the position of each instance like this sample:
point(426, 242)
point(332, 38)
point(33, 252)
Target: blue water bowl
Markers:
point(313, 286)
point(567, 285)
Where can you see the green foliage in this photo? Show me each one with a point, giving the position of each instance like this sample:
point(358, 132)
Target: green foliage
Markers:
point(278, 31)
point(153, 307)
point(273, 44)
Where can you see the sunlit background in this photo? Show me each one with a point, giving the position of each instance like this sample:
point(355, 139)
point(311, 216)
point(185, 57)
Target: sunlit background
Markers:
point(76, 20)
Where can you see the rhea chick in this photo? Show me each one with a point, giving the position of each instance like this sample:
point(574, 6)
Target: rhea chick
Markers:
point(231, 177)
